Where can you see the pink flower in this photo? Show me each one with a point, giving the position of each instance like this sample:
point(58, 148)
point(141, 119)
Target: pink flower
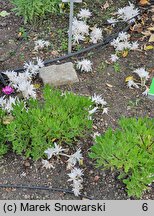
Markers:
point(7, 90)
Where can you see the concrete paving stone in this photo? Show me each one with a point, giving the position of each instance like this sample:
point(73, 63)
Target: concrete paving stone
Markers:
point(59, 74)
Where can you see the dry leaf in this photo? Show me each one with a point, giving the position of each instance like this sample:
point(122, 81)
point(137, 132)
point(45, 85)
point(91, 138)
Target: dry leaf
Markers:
point(109, 85)
point(146, 33)
point(125, 53)
point(129, 78)
point(143, 2)
point(137, 28)
point(151, 39)
point(149, 47)
point(105, 6)
point(151, 28)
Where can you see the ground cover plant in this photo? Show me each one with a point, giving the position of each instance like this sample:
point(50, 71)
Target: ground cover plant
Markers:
point(58, 117)
point(46, 133)
point(36, 9)
point(130, 150)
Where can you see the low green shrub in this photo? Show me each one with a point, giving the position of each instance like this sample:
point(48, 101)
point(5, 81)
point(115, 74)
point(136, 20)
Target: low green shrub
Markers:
point(130, 150)
point(33, 10)
point(58, 117)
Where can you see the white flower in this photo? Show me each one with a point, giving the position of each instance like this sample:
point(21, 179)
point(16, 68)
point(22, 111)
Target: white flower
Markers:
point(84, 14)
point(77, 38)
point(56, 150)
point(142, 73)
point(134, 45)
point(123, 36)
point(131, 84)
point(40, 62)
point(50, 152)
point(40, 44)
point(127, 13)
point(84, 65)
point(73, 159)
point(112, 21)
point(98, 100)
point(114, 58)
point(93, 111)
point(76, 176)
point(7, 104)
point(105, 110)
point(96, 134)
point(145, 93)
point(80, 28)
point(96, 35)
point(47, 164)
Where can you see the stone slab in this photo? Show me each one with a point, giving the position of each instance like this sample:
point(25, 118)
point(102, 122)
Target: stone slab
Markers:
point(59, 74)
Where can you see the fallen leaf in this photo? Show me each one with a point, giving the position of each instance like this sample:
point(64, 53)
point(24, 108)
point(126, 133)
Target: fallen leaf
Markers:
point(129, 78)
point(146, 33)
point(151, 39)
point(137, 28)
point(149, 47)
point(151, 28)
point(109, 85)
point(143, 2)
point(125, 53)
point(105, 6)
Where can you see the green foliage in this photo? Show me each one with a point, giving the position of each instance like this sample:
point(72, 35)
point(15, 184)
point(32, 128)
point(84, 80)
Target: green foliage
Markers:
point(58, 117)
point(3, 145)
point(130, 150)
point(33, 10)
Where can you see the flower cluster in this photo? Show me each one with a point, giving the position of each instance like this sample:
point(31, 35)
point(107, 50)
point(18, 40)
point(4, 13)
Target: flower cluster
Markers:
point(22, 82)
point(76, 177)
point(144, 75)
point(7, 103)
point(100, 103)
point(121, 44)
point(81, 29)
point(84, 65)
point(41, 44)
point(73, 159)
point(127, 14)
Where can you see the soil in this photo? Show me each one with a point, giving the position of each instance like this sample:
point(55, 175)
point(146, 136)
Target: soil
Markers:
point(103, 80)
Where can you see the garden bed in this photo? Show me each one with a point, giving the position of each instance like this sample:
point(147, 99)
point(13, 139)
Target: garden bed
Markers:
point(104, 80)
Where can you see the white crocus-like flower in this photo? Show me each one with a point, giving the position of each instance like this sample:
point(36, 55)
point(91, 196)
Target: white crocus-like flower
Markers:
point(56, 150)
point(134, 45)
point(74, 158)
point(105, 110)
point(96, 35)
point(76, 177)
point(145, 93)
point(40, 44)
point(123, 36)
point(142, 73)
point(84, 65)
point(84, 14)
point(114, 58)
point(112, 21)
point(98, 100)
point(93, 111)
point(77, 38)
point(40, 62)
point(128, 13)
point(47, 164)
point(7, 104)
point(131, 84)
point(80, 27)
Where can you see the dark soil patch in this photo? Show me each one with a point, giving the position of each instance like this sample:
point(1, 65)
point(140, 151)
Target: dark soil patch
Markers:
point(121, 102)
